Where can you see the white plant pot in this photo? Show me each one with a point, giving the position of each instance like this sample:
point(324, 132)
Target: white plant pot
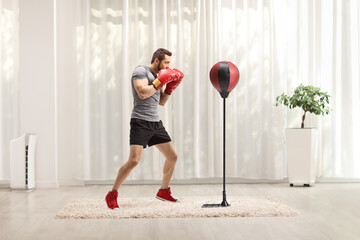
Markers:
point(301, 155)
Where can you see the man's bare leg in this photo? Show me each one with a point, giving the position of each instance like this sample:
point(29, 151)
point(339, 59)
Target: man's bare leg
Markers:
point(168, 150)
point(124, 171)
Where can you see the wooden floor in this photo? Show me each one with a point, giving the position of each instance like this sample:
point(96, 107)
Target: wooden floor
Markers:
point(327, 211)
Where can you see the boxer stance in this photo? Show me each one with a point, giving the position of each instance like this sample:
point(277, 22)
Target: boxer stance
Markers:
point(146, 129)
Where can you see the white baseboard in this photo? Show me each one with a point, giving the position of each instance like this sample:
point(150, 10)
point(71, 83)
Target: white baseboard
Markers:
point(186, 181)
point(46, 184)
point(338, 180)
point(218, 181)
point(5, 183)
point(71, 182)
point(38, 184)
point(75, 182)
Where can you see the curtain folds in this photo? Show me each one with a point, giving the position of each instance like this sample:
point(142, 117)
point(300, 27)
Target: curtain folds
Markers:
point(9, 77)
point(276, 45)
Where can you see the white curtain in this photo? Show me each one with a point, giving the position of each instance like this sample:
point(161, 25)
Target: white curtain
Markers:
point(9, 105)
point(318, 43)
point(275, 44)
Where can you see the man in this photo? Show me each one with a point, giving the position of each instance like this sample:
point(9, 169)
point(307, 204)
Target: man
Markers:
point(146, 129)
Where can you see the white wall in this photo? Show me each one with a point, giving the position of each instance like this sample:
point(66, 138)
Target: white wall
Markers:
point(37, 84)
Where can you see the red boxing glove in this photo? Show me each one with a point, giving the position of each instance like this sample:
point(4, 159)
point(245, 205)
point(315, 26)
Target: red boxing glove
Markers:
point(179, 73)
point(165, 76)
point(171, 86)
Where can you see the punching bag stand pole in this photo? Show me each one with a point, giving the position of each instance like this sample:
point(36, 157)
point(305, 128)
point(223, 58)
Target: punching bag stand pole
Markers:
point(224, 203)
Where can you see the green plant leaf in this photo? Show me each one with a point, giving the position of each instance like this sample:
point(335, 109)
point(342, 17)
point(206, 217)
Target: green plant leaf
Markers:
point(308, 98)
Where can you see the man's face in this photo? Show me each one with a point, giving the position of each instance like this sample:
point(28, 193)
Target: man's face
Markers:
point(164, 64)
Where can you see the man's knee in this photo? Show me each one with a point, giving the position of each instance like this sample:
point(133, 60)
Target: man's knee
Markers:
point(134, 161)
point(135, 155)
point(173, 157)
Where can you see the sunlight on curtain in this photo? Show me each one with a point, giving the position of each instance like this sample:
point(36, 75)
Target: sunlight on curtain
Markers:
point(9, 36)
point(276, 45)
point(323, 51)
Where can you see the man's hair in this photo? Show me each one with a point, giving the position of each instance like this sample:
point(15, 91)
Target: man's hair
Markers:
point(160, 54)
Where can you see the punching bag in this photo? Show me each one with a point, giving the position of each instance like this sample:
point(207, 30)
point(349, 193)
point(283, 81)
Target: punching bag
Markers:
point(224, 76)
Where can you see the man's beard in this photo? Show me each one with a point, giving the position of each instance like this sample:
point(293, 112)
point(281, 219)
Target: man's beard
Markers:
point(158, 67)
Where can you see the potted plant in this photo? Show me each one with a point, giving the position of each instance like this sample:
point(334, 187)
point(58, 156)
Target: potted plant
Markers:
point(301, 143)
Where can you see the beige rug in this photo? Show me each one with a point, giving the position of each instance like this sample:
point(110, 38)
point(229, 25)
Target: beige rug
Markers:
point(188, 207)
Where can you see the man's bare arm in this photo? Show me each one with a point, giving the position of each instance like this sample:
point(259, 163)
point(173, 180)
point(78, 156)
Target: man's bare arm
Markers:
point(163, 97)
point(143, 89)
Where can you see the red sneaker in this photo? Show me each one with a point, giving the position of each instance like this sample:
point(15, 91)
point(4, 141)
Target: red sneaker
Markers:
point(165, 195)
point(111, 200)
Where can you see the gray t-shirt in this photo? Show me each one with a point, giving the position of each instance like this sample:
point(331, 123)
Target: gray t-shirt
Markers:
point(145, 109)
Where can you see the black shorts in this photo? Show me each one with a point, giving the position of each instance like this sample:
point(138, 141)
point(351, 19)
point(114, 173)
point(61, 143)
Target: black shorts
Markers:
point(147, 133)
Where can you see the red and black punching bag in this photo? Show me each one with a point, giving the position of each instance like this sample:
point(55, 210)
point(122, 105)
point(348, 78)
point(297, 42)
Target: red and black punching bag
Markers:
point(224, 77)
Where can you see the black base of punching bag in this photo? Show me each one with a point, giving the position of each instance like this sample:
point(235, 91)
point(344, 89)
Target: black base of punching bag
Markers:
point(224, 203)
